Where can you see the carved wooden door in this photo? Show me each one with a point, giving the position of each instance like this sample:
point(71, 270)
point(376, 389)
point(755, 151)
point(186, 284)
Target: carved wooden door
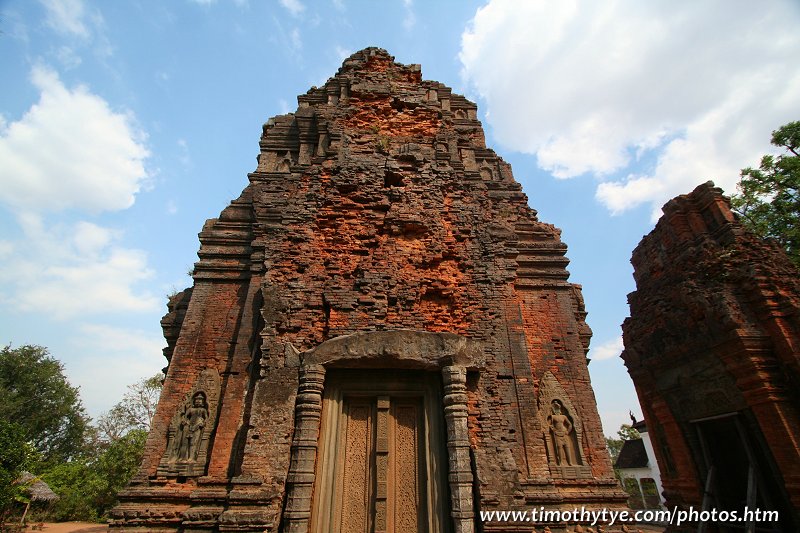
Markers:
point(378, 474)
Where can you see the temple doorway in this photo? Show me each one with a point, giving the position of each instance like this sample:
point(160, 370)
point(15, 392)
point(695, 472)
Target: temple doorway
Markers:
point(381, 465)
point(739, 475)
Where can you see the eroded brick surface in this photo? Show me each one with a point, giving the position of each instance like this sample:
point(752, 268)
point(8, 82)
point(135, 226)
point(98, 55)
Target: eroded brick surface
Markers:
point(376, 206)
point(715, 331)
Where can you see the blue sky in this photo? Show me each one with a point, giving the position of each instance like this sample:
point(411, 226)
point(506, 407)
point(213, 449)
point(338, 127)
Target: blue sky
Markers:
point(125, 125)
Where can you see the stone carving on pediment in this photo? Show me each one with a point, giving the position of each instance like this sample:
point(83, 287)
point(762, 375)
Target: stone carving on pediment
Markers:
point(191, 427)
point(707, 392)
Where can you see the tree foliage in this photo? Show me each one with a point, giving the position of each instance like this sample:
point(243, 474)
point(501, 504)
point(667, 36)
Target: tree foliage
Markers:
point(77, 486)
point(135, 411)
point(35, 394)
point(14, 454)
point(44, 428)
point(88, 486)
point(769, 196)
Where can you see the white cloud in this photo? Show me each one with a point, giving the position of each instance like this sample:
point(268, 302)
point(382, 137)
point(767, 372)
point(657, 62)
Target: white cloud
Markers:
point(90, 239)
point(103, 48)
point(295, 7)
point(121, 340)
point(82, 26)
point(183, 153)
point(339, 5)
point(92, 287)
point(66, 16)
point(6, 249)
point(618, 196)
point(342, 53)
point(410, 20)
point(596, 87)
point(607, 350)
point(127, 356)
point(296, 41)
point(66, 270)
point(68, 58)
point(70, 150)
point(15, 26)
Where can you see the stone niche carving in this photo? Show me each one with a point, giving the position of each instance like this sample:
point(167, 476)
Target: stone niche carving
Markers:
point(283, 164)
point(562, 428)
point(191, 428)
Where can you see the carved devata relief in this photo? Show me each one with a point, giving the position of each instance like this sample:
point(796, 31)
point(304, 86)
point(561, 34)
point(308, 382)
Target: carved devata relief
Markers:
point(561, 432)
point(561, 424)
point(190, 430)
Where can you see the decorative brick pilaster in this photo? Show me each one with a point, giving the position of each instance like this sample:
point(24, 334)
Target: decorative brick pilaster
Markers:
point(460, 478)
point(300, 482)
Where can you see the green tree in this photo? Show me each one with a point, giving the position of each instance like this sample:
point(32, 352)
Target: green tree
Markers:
point(88, 486)
point(35, 394)
point(135, 411)
point(14, 454)
point(77, 486)
point(769, 196)
point(117, 465)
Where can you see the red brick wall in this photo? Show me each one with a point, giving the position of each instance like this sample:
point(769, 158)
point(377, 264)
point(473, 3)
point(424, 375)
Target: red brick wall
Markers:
point(714, 329)
point(377, 206)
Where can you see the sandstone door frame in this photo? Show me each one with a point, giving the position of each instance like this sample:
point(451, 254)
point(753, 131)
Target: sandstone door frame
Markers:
point(387, 389)
point(447, 353)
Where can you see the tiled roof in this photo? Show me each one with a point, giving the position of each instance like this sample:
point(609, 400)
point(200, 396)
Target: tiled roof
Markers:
point(632, 455)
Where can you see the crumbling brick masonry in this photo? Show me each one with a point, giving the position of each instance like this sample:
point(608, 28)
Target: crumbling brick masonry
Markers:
point(381, 334)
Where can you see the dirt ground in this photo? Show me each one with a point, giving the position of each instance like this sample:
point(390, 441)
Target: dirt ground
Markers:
point(67, 527)
point(88, 527)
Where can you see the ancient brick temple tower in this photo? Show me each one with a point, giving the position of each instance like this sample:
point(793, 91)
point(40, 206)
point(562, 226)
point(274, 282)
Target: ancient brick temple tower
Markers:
point(380, 337)
point(713, 347)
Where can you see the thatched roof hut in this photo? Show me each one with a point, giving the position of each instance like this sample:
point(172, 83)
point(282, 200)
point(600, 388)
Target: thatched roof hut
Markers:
point(38, 489)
